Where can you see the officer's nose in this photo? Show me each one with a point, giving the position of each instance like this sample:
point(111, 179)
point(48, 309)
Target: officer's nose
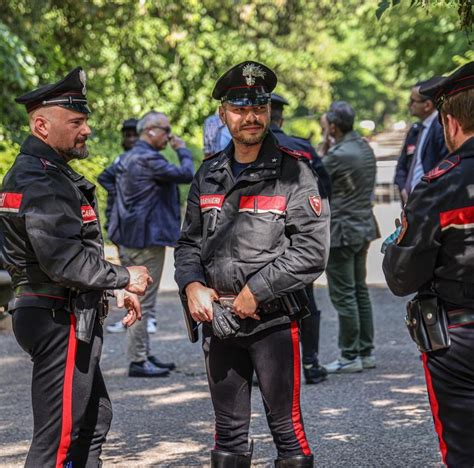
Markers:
point(86, 130)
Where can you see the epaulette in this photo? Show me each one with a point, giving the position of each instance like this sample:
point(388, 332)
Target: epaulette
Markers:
point(297, 154)
point(444, 166)
point(47, 164)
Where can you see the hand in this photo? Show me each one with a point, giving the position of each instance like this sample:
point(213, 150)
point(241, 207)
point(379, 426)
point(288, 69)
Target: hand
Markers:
point(176, 143)
point(139, 280)
point(132, 303)
point(392, 238)
point(200, 299)
point(245, 304)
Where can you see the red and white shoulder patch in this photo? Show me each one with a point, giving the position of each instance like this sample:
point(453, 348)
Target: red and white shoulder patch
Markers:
point(297, 154)
point(10, 202)
point(442, 168)
point(316, 204)
point(211, 201)
point(88, 214)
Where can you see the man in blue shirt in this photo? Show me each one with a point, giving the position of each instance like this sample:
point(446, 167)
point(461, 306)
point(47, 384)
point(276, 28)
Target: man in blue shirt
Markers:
point(146, 218)
point(424, 147)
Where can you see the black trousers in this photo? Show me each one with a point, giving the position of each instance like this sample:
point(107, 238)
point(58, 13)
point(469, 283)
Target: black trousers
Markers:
point(310, 330)
point(71, 408)
point(274, 354)
point(450, 381)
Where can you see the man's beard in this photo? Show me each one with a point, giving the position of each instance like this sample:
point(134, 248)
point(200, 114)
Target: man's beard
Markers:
point(75, 153)
point(251, 140)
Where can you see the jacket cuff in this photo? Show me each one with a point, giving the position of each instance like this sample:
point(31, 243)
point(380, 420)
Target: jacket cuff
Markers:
point(260, 288)
point(184, 280)
point(123, 277)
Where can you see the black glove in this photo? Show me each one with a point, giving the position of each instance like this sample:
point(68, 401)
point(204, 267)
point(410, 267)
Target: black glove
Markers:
point(224, 323)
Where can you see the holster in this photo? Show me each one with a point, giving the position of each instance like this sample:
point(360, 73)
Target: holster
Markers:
point(192, 326)
point(427, 322)
point(85, 307)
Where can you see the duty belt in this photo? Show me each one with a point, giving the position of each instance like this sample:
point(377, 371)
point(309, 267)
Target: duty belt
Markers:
point(459, 317)
point(42, 295)
point(53, 291)
point(284, 305)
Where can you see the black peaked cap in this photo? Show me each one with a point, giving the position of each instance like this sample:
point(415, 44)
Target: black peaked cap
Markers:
point(70, 92)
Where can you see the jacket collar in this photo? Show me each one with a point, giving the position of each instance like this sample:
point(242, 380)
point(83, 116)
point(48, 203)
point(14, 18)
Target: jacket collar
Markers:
point(466, 150)
point(33, 146)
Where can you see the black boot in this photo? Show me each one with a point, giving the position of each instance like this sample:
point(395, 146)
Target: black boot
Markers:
point(221, 459)
point(300, 461)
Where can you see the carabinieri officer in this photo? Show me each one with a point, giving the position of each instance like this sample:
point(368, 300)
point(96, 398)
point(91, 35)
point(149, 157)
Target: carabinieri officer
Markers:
point(256, 233)
point(53, 250)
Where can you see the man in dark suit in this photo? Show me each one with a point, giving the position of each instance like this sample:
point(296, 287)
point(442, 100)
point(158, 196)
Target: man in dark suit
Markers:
point(424, 145)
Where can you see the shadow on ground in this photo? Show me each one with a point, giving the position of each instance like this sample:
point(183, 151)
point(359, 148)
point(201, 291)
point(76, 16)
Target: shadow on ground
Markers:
point(373, 419)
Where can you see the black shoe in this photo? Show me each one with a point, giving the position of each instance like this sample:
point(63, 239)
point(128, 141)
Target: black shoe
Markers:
point(146, 369)
point(162, 365)
point(314, 373)
point(300, 461)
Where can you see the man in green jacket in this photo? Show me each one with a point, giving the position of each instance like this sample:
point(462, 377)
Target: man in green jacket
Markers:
point(350, 163)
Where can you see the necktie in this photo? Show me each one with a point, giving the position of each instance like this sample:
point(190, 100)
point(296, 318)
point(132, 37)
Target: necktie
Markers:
point(413, 167)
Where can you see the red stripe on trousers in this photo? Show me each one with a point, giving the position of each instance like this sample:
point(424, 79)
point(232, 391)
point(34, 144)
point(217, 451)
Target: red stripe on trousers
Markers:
point(434, 408)
point(66, 427)
point(296, 408)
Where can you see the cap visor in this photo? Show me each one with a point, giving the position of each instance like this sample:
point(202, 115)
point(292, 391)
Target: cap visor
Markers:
point(77, 107)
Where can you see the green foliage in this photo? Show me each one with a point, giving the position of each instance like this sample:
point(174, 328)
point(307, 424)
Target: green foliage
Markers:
point(465, 9)
point(167, 55)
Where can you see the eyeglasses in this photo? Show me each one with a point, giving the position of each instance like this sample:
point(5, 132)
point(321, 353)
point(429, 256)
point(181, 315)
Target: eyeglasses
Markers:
point(167, 130)
point(411, 100)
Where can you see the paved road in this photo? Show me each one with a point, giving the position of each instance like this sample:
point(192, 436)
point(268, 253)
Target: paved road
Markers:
point(379, 418)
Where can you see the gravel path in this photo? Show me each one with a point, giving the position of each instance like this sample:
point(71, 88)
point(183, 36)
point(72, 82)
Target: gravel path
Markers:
point(379, 418)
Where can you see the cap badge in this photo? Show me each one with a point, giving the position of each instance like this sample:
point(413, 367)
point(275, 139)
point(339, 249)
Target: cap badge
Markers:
point(83, 79)
point(252, 71)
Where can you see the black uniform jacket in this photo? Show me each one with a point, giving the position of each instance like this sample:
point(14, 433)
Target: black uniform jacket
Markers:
point(268, 229)
point(436, 245)
point(48, 216)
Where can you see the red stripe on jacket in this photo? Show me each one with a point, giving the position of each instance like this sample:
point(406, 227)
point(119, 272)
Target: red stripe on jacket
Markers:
point(459, 218)
point(66, 426)
point(296, 407)
point(263, 203)
point(10, 201)
point(434, 408)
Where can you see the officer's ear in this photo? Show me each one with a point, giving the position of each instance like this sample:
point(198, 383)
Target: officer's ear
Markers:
point(222, 114)
point(451, 125)
point(39, 124)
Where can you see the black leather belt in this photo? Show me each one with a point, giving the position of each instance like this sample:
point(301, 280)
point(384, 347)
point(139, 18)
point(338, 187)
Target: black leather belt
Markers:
point(275, 306)
point(53, 291)
point(459, 317)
